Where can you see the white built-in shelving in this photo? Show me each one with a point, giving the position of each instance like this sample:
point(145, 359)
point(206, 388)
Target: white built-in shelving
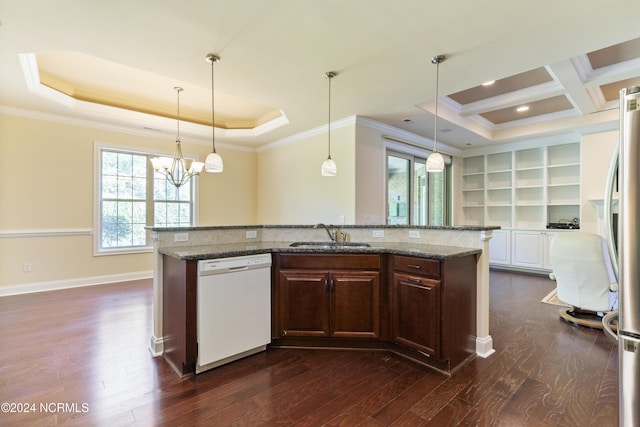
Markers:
point(522, 189)
point(473, 190)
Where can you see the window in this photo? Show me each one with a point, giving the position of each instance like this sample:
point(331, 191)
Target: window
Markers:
point(414, 196)
point(131, 195)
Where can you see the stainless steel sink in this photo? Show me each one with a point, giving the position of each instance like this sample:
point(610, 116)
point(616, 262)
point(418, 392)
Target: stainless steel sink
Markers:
point(330, 245)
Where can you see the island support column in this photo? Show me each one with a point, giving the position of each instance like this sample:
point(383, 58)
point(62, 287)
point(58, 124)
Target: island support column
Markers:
point(156, 346)
point(484, 342)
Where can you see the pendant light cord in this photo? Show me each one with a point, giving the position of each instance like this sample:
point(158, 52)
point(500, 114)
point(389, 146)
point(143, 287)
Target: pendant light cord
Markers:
point(213, 125)
point(329, 76)
point(435, 122)
point(178, 89)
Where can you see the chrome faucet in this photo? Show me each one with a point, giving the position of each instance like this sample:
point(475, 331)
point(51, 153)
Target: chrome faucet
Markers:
point(332, 233)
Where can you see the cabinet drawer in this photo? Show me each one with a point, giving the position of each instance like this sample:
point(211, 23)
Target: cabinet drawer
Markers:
point(330, 261)
point(418, 266)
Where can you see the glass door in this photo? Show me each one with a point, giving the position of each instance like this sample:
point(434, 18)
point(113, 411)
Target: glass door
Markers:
point(398, 189)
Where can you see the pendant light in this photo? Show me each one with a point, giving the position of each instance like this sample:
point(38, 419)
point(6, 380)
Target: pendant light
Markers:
point(177, 169)
point(213, 162)
point(435, 161)
point(329, 167)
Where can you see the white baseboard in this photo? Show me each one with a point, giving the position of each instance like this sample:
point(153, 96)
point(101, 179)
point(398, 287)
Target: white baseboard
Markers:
point(484, 346)
point(156, 348)
point(28, 288)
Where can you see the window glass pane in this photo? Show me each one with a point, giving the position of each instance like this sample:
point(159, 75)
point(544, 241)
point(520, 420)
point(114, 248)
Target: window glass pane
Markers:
point(159, 187)
point(420, 193)
point(139, 212)
point(160, 214)
point(109, 222)
point(124, 187)
point(184, 193)
point(124, 234)
point(173, 193)
point(398, 190)
point(125, 164)
point(109, 187)
point(140, 167)
point(185, 214)
point(139, 235)
point(109, 163)
point(437, 199)
point(173, 214)
point(139, 188)
point(125, 212)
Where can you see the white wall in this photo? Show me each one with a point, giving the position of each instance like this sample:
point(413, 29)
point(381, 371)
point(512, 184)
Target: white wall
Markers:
point(595, 156)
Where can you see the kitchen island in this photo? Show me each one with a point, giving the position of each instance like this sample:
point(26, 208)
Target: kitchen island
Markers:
point(416, 297)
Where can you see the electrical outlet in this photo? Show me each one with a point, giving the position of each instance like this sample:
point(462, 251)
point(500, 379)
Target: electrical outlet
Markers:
point(377, 233)
point(26, 267)
point(251, 234)
point(341, 219)
point(181, 237)
point(414, 234)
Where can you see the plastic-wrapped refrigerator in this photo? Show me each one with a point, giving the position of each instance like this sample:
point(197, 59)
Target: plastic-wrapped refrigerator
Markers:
point(627, 253)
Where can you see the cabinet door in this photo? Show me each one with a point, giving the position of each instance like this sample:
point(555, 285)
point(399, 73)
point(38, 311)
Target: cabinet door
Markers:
point(355, 304)
point(416, 314)
point(548, 238)
point(500, 247)
point(304, 303)
point(527, 249)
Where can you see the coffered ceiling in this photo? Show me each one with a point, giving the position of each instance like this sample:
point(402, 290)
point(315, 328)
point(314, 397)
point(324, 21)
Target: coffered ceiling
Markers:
point(116, 64)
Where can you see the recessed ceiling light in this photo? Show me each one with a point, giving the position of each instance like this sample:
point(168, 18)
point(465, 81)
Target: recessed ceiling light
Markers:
point(522, 108)
point(489, 83)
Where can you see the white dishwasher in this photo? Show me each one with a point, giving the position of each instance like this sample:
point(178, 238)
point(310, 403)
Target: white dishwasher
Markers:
point(234, 309)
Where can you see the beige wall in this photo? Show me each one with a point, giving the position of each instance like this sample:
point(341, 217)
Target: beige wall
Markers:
point(370, 176)
point(291, 189)
point(230, 197)
point(36, 195)
point(280, 185)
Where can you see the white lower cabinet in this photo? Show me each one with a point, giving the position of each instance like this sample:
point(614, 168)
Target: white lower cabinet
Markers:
point(527, 249)
point(500, 247)
point(521, 249)
point(548, 237)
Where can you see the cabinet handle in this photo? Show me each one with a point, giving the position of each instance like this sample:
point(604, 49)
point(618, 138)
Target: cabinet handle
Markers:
point(414, 280)
point(417, 267)
point(332, 284)
point(326, 285)
point(284, 332)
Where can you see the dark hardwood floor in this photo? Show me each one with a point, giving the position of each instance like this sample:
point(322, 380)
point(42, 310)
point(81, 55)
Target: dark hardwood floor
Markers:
point(80, 357)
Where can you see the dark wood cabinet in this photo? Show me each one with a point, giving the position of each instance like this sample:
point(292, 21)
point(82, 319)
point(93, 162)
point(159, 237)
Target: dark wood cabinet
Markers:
point(304, 304)
point(329, 296)
point(421, 308)
point(416, 313)
point(434, 308)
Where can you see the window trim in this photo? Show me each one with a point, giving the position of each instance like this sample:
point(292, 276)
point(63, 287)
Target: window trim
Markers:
point(98, 147)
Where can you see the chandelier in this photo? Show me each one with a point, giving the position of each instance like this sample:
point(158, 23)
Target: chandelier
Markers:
point(177, 169)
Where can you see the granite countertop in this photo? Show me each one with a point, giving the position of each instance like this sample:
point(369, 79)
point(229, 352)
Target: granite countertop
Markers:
point(342, 226)
point(227, 250)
